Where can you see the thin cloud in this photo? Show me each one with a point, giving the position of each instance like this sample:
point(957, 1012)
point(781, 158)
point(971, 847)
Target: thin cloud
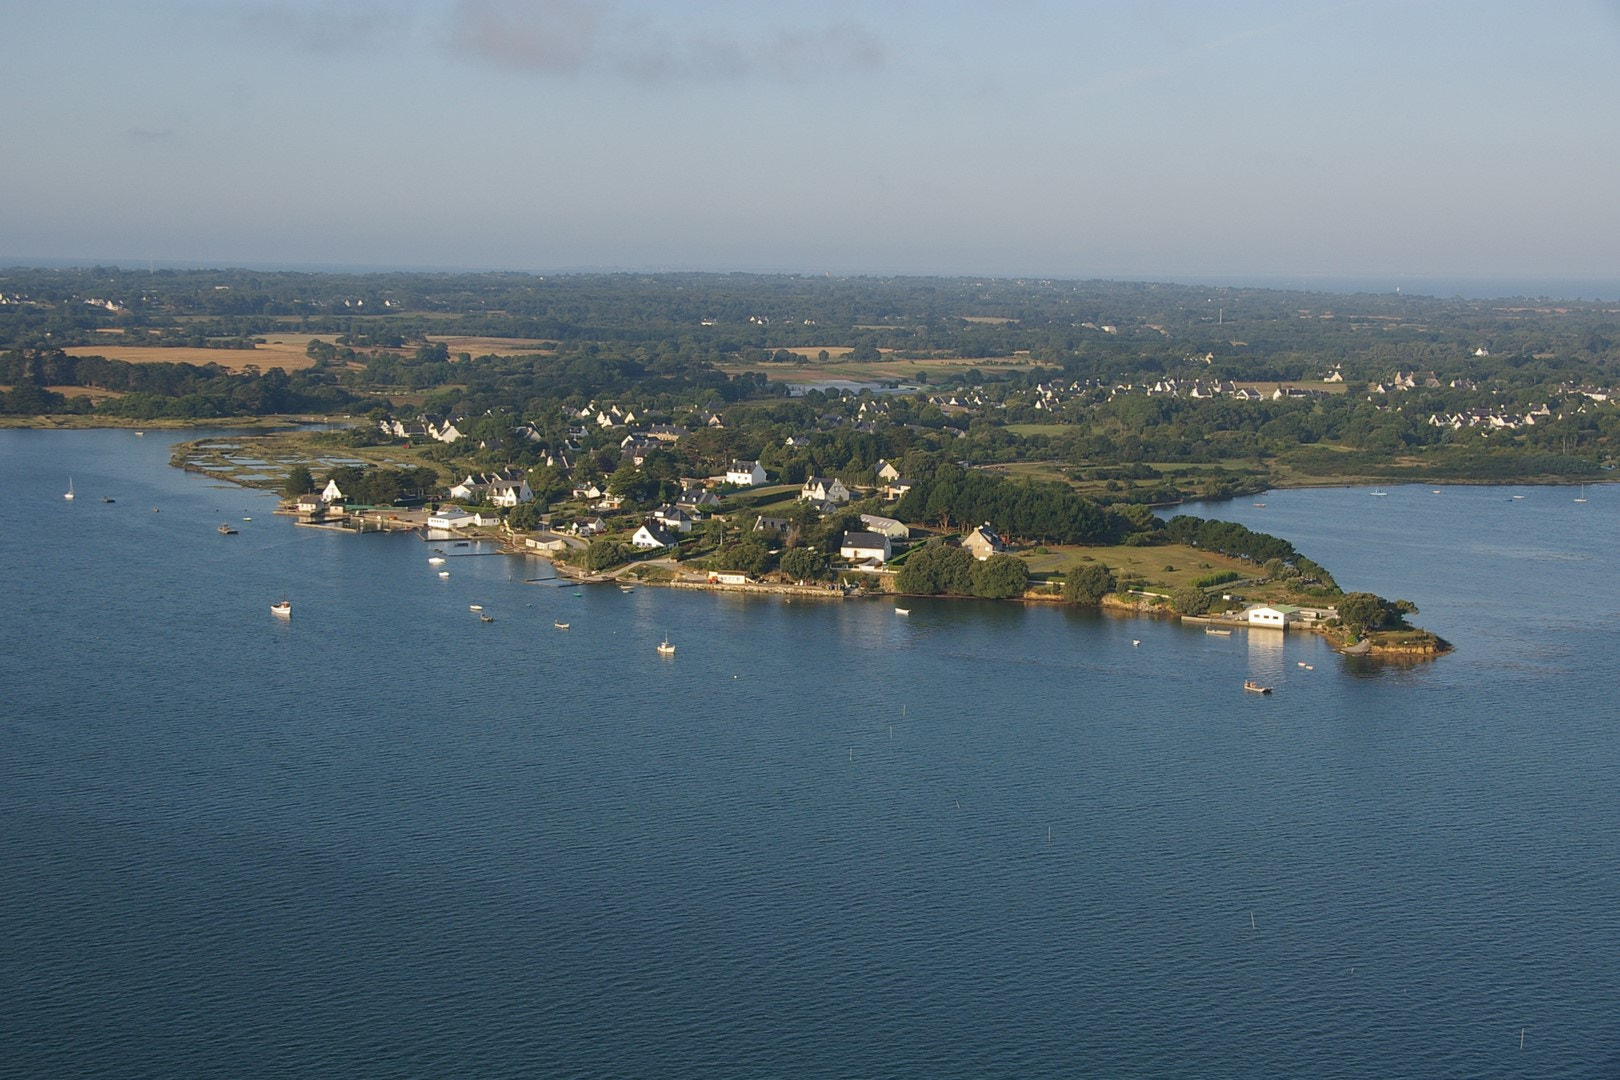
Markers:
point(568, 37)
point(334, 26)
point(546, 36)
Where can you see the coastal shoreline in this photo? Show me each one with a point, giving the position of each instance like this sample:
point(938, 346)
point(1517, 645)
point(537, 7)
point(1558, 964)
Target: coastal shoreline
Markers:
point(407, 520)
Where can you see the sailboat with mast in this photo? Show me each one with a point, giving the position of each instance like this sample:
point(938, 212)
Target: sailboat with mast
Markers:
point(68, 494)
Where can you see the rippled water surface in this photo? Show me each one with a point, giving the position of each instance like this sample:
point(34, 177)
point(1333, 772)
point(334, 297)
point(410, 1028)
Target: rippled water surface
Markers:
point(386, 839)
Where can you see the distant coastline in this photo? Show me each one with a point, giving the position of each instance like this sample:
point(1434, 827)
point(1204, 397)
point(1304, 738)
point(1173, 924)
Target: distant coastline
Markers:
point(1439, 287)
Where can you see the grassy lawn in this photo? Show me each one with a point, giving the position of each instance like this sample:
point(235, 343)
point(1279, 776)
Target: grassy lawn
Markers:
point(1031, 470)
point(1186, 564)
point(1149, 563)
point(1042, 429)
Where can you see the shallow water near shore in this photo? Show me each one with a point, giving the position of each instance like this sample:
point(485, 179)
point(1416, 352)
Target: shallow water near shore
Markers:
point(384, 838)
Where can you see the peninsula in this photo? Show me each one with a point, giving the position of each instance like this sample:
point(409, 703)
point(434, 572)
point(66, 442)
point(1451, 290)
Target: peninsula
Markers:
point(754, 424)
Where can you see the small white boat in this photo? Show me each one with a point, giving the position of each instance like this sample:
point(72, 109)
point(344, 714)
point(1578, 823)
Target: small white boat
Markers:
point(68, 494)
point(444, 573)
point(475, 607)
point(1582, 496)
point(1217, 633)
point(485, 618)
point(1255, 688)
point(1375, 491)
point(282, 608)
point(435, 560)
point(666, 649)
point(1135, 642)
point(560, 625)
point(140, 433)
point(902, 611)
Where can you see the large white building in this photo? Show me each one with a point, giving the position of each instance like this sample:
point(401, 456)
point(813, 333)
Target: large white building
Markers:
point(745, 473)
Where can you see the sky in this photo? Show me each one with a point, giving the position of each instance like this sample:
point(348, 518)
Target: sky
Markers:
point(1164, 140)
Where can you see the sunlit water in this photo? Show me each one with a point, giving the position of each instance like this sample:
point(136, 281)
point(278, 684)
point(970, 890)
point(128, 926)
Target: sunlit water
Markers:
point(384, 838)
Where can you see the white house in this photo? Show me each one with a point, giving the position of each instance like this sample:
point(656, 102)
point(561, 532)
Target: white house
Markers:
point(983, 542)
point(693, 500)
point(1273, 615)
point(673, 518)
point(331, 493)
point(545, 541)
point(865, 547)
point(886, 471)
point(888, 526)
point(745, 473)
point(509, 492)
point(821, 489)
point(652, 536)
point(451, 517)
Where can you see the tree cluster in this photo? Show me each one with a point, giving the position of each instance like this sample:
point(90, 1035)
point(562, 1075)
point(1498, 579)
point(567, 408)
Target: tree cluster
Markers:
point(1037, 512)
point(943, 569)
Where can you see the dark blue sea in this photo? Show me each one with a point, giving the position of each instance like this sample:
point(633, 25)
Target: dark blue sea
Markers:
point(385, 839)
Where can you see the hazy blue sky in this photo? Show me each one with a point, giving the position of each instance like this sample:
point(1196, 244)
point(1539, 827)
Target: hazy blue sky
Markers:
point(1117, 139)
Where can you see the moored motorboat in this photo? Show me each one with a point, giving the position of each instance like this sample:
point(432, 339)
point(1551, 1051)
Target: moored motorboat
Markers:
point(1255, 688)
point(560, 625)
point(226, 530)
point(1217, 631)
point(282, 608)
point(666, 649)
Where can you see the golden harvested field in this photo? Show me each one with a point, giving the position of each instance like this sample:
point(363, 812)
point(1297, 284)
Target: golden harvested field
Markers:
point(286, 351)
point(811, 352)
point(281, 352)
point(488, 346)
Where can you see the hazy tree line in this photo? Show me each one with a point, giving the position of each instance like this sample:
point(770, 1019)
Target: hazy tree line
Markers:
point(1247, 333)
